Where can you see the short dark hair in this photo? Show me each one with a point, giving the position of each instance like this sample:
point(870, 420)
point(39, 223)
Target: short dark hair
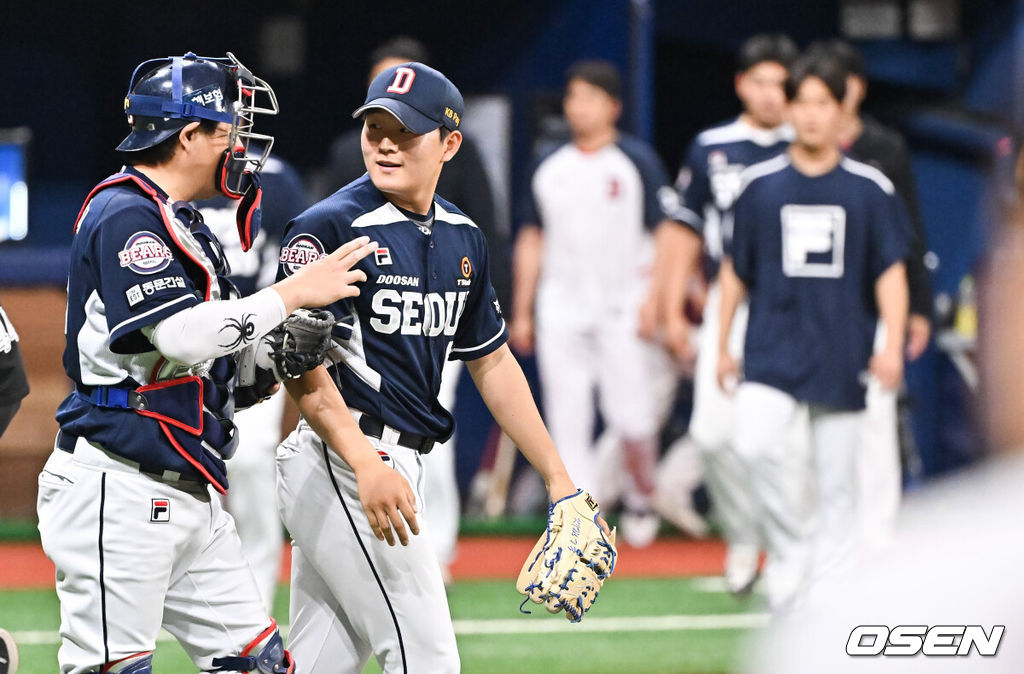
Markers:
point(825, 67)
point(844, 52)
point(602, 74)
point(163, 152)
point(401, 47)
point(766, 47)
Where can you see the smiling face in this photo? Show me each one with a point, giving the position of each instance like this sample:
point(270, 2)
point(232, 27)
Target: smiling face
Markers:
point(403, 165)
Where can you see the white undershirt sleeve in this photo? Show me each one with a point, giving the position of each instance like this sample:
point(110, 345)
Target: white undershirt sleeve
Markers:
point(213, 329)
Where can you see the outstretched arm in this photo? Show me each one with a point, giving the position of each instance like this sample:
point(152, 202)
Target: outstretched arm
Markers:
point(384, 493)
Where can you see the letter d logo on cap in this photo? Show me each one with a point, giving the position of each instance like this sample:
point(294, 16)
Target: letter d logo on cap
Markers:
point(403, 81)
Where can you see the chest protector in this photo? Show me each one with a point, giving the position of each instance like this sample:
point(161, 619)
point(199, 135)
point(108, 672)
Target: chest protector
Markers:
point(188, 409)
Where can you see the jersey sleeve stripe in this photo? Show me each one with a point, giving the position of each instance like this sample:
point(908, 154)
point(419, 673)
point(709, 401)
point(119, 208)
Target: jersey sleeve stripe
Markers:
point(752, 173)
point(152, 316)
point(501, 331)
point(869, 172)
point(451, 218)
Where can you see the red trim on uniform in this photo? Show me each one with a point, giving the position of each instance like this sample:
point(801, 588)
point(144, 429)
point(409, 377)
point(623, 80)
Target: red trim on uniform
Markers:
point(106, 667)
point(263, 635)
point(170, 230)
point(109, 183)
point(168, 383)
point(188, 457)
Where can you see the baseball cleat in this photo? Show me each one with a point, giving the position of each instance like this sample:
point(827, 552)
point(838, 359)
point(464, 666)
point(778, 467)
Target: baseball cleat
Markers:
point(742, 569)
point(639, 529)
point(8, 653)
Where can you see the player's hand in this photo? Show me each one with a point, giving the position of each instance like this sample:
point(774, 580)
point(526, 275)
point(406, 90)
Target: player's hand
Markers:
point(327, 280)
point(728, 372)
point(919, 331)
point(677, 340)
point(887, 367)
point(521, 334)
point(388, 502)
point(647, 319)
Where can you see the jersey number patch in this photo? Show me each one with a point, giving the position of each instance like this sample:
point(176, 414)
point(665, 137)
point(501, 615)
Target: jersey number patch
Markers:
point(813, 241)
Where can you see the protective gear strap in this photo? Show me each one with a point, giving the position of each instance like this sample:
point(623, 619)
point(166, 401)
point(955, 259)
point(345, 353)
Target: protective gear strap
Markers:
point(139, 663)
point(214, 329)
point(271, 659)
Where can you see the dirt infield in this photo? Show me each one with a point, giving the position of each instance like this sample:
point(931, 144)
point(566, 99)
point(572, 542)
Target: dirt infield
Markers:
point(24, 566)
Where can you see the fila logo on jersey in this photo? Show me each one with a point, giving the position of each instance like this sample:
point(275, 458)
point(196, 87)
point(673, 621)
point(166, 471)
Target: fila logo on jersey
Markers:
point(161, 510)
point(385, 457)
point(145, 253)
point(382, 256)
point(416, 313)
point(813, 240)
point(403, 81)
point(299, 252)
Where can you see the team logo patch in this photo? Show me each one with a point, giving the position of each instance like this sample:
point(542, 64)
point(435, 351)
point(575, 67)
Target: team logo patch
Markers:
point(299, 252)
point(160, 511)
point(382, 256)
point(145, 253)
point(467, 267)
point(813, 240)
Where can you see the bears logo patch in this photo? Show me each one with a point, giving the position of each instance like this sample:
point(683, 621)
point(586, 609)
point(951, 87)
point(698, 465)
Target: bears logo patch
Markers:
point(145, 253)
point(299, 252)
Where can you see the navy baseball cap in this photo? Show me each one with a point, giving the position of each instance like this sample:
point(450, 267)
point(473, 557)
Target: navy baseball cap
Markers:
point(421, 98)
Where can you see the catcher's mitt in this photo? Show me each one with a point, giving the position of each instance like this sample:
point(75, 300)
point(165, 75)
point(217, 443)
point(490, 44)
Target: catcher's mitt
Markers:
point(571, 560)
point(300, 343)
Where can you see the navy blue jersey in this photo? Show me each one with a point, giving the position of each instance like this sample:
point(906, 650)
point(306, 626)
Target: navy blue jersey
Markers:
point(283, 198)
point(809, 250)
point(128, 272)
point(427, 297)
point(709, 178)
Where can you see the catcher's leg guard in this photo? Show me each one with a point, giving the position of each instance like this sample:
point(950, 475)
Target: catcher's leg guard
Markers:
point(140, 663)
point(272, 657)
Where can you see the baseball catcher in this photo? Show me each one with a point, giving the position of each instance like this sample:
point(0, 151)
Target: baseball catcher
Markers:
point(570, 562)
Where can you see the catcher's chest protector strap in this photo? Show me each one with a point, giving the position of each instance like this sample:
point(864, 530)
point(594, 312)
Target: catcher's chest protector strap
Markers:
point(201, 269)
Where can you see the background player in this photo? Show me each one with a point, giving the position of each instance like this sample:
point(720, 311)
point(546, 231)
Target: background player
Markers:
point(709, 182)
point(427, 297)
point(865, 139)
point(125, 507)
point(13, 382)
point(815, 236)
point(583, 264)
point(464, 181)
point(251, 471)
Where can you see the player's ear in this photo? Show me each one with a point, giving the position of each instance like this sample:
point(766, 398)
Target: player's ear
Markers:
point(187, 134)
point(452, 143)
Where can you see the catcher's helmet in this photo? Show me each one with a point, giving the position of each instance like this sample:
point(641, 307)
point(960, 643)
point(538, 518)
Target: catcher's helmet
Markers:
point(166, 94)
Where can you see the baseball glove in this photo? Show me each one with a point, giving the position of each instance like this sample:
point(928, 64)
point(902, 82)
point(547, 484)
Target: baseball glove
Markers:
point(300, 343)
point(570, 562)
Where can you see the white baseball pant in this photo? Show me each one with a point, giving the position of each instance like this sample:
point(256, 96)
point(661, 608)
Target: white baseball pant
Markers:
point(440, 487)
point(712, 425)
point(576, 358)
point(807, 491)
point(126, 567)
point(353, 596)
point(879, 471)
point(252, 498)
